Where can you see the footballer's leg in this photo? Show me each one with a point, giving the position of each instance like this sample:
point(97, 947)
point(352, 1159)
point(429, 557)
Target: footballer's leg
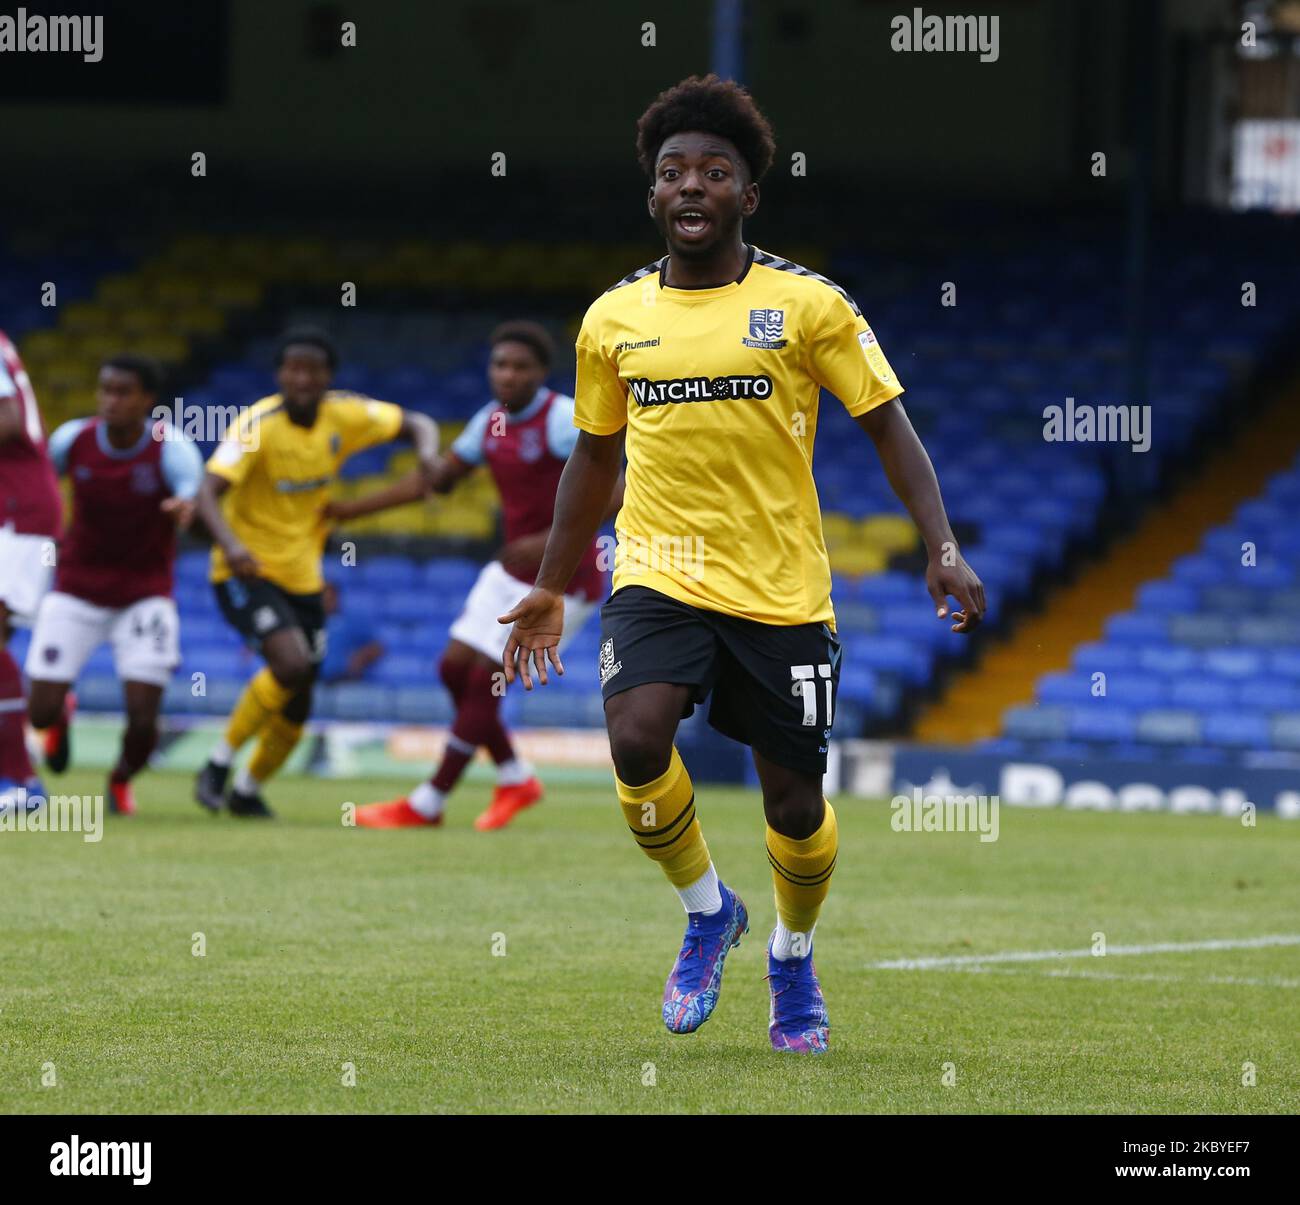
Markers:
point(287, 632)
point(25, 572)
point(49, 708)
point(658, 803)
point(278, 738)
point(146, 651)
point(776, 693)
point(518, 787)
point(467, 675)
point(291, 664)
point(802, 844)
point(66, 632)
point(646, 637)
point(139, 738)
point(470, 669)
point(15, 764)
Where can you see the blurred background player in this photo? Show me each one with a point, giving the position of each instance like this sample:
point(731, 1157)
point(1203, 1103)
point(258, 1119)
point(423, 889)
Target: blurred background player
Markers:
point(524, 437)
point(262, 500)
point(133, 482)
point(30, 521)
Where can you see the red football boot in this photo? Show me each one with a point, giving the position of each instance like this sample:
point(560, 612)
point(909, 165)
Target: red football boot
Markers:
point(507, 803)
point(395, 813)
point(58, 739)
point(121, 799)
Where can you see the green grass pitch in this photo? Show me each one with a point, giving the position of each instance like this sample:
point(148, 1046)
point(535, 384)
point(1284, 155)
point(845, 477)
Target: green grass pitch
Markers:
point(330, 947)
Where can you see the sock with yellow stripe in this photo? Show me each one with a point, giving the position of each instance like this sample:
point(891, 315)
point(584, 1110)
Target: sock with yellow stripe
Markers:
point(279, 736)
point(801, 874)
point(263, 697)
point(661, 815)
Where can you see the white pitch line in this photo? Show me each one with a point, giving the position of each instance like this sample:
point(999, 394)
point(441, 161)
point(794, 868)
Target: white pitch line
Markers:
point(1230, 980)
point(1167, 947)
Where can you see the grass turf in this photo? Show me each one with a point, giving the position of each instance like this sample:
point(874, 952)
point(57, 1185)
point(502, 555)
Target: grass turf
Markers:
point(328, 945)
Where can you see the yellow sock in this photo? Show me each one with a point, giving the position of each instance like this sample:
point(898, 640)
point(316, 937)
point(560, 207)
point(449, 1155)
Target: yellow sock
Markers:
point(262, 697)
point(661, 815)
point(801, 872)
point(279, 736)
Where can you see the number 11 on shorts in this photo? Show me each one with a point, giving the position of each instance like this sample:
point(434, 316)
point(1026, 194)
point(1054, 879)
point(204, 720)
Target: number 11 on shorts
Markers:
point(805, 685)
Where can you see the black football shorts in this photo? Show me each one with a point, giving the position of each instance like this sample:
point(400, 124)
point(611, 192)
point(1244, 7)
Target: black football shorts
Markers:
point(774, 687)
point(255, 608)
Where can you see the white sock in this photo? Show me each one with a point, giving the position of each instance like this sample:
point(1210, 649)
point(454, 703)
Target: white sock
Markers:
point(787, 944)
point(222, 754)
point(703, 894)
point(427, 800)
point(511, 773)
point(245, 783)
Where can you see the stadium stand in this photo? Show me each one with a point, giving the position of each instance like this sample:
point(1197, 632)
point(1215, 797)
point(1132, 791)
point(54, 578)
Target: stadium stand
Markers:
point(1038, 327)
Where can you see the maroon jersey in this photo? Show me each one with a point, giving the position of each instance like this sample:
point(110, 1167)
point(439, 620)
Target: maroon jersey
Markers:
point(526, 454)
point(29, 490)
point(120, 546)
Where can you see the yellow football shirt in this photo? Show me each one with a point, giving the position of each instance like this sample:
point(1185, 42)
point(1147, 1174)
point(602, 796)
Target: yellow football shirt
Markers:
point(280, 476)
point(718, 389)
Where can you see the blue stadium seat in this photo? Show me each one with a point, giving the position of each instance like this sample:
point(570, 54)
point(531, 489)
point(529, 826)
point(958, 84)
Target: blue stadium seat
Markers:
point(1201, 693)
point(1167, 659)
point(1101, 720)
point(1168, 598)
point(1169, 727)
point(1037, 723)
point(1137, 628)
point(1243, 729)
point(1284, 732)
point(1233, 662)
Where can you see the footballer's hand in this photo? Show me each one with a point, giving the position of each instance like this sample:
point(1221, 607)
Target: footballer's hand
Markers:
point(181, 511)
point(959, 580)
point(242, 562)
point(539, 623)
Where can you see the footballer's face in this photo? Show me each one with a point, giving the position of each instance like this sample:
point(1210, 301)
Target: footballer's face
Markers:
point(121, 399)
point(701, 193)
point(515, 374)
point(303, 376)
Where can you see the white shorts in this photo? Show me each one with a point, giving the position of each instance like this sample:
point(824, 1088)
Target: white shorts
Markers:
point(26, 567)
point(145, 637)
point(495, 593)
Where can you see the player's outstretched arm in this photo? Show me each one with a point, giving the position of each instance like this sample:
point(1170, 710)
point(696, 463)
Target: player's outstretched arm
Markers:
point(420, 430)
point(410, 488)
point(448, 470)
point(207, 505)
point(911, 476)
point(581, 504)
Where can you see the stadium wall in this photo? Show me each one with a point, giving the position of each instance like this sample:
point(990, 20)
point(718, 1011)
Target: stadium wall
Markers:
point(440, 87)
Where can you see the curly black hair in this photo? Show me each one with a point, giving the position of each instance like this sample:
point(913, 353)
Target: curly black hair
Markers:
point(532, 335)
point(713, 106)
point(307, 336)
point(147, 371)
